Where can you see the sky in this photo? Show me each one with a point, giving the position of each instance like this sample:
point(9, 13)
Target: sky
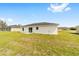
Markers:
point(64, 14)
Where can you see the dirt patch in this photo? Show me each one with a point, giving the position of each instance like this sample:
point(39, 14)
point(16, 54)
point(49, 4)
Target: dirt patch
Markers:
point(5, 51)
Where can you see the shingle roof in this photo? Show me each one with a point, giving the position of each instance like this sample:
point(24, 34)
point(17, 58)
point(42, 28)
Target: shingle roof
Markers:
point(41, 23)
point(15, 26)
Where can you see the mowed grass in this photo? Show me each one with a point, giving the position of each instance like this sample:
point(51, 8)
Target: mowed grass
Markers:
point(19, 44)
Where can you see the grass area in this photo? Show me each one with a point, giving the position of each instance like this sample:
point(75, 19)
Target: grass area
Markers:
point(15, 43)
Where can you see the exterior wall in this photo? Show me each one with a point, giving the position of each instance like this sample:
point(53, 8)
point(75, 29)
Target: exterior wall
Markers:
point(43, 29)
point(16, 29)
point(77, 29)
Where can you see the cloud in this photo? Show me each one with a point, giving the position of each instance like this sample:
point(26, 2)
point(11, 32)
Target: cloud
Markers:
point(6, 19)
point(67, 9)
point(59, 7)
point(2, 19)
point(10, 20)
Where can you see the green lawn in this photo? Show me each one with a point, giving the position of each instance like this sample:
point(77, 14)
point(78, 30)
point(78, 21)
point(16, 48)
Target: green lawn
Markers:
point(15, 43)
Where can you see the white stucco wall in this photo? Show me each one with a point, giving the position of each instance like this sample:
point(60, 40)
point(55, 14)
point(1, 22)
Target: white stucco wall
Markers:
point(16, 29)
point(77, 29)
point(43, 29)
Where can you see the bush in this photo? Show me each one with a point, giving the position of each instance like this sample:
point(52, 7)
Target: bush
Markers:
point(72, 28)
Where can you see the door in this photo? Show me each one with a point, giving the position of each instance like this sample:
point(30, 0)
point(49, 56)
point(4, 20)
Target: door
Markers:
point(30, 29)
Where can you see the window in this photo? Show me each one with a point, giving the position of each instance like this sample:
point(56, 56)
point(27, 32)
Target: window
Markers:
point(37, 28)
point(22, 29)
point(30, 29)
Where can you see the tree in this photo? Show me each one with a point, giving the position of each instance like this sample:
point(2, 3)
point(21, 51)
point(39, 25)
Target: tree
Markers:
point(72, 28)
point(3, 25)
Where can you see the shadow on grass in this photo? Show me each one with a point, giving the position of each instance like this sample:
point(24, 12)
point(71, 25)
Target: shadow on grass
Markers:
point(75, 33)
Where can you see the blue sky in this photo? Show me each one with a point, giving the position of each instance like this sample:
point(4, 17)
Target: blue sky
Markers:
point(20, 13)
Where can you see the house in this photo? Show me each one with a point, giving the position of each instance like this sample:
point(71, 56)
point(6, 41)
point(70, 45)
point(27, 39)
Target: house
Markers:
point(16, 28)
point(41, 28)
point(77, 29)
point(62, 28)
